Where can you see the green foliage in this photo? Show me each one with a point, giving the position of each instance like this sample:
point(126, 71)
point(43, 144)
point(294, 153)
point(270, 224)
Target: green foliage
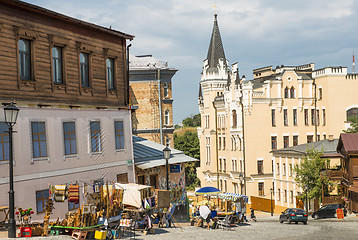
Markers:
point(193, 121)
point(189, 144)
point(354, 126)
point(308, 174)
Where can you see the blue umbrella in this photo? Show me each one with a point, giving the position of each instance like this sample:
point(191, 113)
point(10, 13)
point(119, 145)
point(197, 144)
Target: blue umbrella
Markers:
point(207, 190)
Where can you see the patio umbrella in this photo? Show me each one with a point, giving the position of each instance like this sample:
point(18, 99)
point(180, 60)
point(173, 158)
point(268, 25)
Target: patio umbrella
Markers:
point(207, 191)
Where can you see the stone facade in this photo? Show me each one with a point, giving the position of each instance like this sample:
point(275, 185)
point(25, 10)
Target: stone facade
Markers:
point(153, 119)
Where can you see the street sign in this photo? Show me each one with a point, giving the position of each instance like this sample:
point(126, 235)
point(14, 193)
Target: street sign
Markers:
point(175, 168)
point(340, 214)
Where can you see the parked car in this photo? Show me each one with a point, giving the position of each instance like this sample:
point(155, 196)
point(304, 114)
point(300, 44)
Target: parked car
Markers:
point(294, 215)
point(328, 210)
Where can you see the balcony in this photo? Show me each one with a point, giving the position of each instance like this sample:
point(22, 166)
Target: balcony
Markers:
point(334, 174)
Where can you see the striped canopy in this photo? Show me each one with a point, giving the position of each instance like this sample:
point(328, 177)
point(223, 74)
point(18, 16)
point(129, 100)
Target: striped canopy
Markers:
point(232, 196)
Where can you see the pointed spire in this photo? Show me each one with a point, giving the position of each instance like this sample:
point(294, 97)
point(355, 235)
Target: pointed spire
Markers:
point(216, 49)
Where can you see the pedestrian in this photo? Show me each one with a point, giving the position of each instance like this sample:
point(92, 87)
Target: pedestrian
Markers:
point(253, 217)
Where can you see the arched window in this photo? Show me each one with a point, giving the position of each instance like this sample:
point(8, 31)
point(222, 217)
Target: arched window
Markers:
point(292, 92)
point(234, 119)
point(166, 117)
point(286, 92)
point(352, 114)
point(165, 86)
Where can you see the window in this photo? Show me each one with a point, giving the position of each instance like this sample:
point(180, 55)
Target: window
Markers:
point(110, 73)
point(225, 182)
point(317, 117)
point(292, 92)
point(285, 195)
point(234, 119)
point(95, 128)
point(306, 116)
point(309, 138)
point(261, 189)
point(286, 92)
point(165, 86)
point(320, 93)
point(224, 143)
point(4, 142)
point(352, 114)
point(39, 146)
point(278, 168)
point(221, 185)
point(290, 170)
point(273, 142)
point(318, 137)
point(167, 142)
point(273, 118)
point(312, 117)
point(69, 136)
point(291, 196)
point(295, 117)
point(119, 134)
point(207, 146)
point(224, 163)
point(235, 188)
point(25, 59)
point(73, 206)
point(219, 143)
point(323, 117)
point(285, 118)
point(41, 200)
point(84, 67)
point(260, 167)
point(166, 117)
point(220, 165)
point(285, 141)
point(295, 140)
point(278, 194)
point(283, 169)
point(57, 65)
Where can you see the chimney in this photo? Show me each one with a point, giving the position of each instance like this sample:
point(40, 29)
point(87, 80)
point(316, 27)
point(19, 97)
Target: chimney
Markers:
point(330, 138)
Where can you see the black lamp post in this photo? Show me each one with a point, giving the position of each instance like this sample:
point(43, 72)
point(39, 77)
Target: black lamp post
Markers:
point(271, 190)
point(11, 112)
point(241, 178)
point(166, 153)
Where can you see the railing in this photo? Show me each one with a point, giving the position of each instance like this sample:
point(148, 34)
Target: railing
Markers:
point(334, 173)
point(331, 199)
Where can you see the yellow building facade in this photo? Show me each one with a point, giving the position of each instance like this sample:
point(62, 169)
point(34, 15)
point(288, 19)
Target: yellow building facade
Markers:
point(244, 120)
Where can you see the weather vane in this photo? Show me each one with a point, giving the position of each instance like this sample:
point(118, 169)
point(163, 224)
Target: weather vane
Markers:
point(215, 7)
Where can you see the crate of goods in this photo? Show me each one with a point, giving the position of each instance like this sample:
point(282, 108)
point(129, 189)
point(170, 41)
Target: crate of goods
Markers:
point(100, 235)
point(24, 232)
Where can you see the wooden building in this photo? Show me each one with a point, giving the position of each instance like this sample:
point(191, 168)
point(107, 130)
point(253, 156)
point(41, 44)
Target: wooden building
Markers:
point(69, 79)
point(348, 147)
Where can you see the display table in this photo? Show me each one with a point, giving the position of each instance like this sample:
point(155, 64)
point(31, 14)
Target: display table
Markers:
point(5, 210)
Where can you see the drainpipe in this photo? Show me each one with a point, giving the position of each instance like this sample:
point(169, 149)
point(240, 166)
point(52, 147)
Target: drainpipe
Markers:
point(127, 83)
point(160, 108)
point(243, 136)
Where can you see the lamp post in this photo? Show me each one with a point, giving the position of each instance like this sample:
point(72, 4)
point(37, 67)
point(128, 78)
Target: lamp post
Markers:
point(166, 153)
point(11, 112)
point(241, 178)
point(271, 190)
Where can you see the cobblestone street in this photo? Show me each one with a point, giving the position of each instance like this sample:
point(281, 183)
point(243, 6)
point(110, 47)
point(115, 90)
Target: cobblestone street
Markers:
point(267, 228)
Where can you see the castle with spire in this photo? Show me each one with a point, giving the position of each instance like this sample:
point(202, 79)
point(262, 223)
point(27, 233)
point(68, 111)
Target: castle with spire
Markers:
point(244, 121)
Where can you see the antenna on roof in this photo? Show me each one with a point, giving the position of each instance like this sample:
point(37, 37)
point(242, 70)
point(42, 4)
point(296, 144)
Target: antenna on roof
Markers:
point(353, 65)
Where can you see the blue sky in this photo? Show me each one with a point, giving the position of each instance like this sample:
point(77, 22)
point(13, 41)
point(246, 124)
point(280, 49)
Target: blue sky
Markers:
point(255, 34)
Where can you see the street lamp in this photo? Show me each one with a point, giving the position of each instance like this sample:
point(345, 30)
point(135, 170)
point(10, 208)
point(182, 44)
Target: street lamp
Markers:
point(241, 178)
point(271, 190)
point(11, 112)
point(166, 153)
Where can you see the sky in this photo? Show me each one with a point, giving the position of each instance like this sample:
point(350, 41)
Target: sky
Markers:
point(255, 34)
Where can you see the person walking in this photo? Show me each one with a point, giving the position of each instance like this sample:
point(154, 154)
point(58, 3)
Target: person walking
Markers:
point(253, 217)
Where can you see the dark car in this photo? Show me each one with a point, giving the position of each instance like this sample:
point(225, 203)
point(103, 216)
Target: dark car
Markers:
point(329, 210)
point(294, 215)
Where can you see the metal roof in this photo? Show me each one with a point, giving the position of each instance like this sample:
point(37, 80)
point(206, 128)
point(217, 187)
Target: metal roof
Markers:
point(327, 146)
point(149, 154)
point(349, 142)
point(216, 49)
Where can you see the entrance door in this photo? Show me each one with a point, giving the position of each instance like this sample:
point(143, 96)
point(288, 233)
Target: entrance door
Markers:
point(154, 181)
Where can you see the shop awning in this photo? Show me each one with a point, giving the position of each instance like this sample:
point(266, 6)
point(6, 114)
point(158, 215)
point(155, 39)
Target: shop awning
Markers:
point(232, 196)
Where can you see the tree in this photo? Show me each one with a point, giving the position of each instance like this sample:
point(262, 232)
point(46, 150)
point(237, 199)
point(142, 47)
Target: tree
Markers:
point(189, 144)
point(188, 122)
point(353, 128)
point(197, 120)
point(308, 174)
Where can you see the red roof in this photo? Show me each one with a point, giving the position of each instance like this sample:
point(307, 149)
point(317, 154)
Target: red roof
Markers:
point(349, 142)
